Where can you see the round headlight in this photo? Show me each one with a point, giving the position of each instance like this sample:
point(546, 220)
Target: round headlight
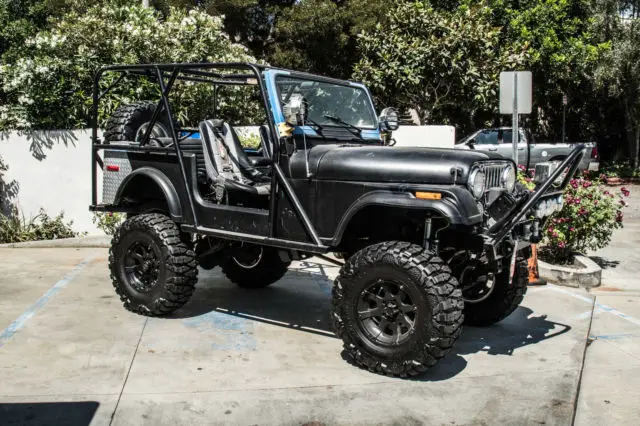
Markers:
point(476, 183)
point(509, 178)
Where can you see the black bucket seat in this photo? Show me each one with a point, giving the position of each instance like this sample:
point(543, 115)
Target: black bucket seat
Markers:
point(226, 162)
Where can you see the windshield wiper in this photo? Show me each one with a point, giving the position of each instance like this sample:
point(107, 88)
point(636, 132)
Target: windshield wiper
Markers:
point(346, 124)
point(312, 122)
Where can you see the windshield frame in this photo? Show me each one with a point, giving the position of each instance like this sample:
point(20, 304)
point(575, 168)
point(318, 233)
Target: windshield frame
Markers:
point(319, 79)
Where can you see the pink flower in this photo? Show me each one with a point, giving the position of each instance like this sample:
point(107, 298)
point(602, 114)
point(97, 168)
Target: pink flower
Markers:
point(619, 216)
point(625, 191)
point(582, 211)
point(561, 244)
point(571, 229)
point(606, 192)
point(623, 203)
point(576, 200)
point(586, 184)
point(555, 235)
point(595, 202)
point(574, 183)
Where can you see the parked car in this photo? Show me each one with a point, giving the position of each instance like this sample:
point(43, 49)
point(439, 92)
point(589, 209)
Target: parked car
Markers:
point(431, 237)
point(530, 152)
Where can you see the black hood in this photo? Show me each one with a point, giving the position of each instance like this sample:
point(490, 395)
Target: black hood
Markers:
point(388, 164)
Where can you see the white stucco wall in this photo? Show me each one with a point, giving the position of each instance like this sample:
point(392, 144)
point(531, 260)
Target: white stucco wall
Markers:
point(53, 169)
point(426, 136)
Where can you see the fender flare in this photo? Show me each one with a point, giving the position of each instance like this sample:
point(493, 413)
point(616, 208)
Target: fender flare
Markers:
point(162, 181)
point(448, 207)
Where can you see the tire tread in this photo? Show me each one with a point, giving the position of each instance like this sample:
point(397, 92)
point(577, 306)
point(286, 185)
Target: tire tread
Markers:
point(180, 262)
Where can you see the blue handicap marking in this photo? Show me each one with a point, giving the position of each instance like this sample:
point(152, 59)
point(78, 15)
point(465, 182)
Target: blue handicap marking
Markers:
point(233, 333)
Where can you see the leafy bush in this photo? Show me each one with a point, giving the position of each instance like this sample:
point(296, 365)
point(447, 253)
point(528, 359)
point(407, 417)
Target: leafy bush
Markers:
point(587, 220)
point(524, 178)
point(249, 139)
point(50, 86)
point(621, 169)
point(108, 222)
point(16, 229)
point(8, 189)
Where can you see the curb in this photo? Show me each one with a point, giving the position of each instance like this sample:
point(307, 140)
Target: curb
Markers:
point(96, 241)
point(621, 181)
point(589, 276)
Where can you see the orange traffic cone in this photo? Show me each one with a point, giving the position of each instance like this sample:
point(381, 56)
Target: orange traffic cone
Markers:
point(534, 275)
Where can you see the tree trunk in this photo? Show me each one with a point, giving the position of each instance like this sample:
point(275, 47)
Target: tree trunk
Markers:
point(636, 153)
point(145, 3)
point(631, 129)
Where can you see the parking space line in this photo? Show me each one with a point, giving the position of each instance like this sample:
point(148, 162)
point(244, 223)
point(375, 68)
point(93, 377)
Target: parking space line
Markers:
point(16, 325)
point(599, 307)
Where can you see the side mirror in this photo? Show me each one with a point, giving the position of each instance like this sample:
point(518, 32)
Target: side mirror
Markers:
point(295, 110)
point(389, 119)
point(471, 143)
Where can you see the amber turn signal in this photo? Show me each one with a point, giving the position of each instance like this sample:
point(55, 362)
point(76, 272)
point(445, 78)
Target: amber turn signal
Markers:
point(429, 195)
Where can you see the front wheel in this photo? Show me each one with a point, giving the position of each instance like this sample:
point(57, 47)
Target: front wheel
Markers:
point(153, 271)
point(397, 308)
point(489, 298)
point(253, 266)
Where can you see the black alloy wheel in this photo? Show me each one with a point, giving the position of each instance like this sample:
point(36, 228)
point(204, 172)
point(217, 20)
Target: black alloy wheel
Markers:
point(387, 313)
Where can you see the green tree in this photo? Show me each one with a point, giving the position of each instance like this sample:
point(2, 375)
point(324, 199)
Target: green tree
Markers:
point(320, 36)
point(562, 53)
point(50, 85)
point(618, 74)
point(249, 22)
point(443, 64)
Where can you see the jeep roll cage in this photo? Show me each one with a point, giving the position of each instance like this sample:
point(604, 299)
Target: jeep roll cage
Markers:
point(248, 74)
point(166, 75)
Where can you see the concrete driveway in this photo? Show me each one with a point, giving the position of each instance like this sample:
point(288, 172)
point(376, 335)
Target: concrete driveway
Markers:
point(70, 354)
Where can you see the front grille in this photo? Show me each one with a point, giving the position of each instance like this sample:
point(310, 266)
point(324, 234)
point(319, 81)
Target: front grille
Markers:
point(493, 176)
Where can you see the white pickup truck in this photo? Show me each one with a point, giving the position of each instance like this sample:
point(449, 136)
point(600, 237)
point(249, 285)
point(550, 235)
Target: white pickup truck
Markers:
point(530, 153)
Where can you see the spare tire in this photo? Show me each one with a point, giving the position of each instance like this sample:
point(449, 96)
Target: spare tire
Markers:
point(129, 122)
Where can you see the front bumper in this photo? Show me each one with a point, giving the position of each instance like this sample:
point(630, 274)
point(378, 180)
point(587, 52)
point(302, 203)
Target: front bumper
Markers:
point(520, 214)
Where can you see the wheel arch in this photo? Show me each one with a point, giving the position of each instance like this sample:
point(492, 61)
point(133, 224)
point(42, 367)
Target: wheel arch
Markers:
point(148, 184)
point(399, 203)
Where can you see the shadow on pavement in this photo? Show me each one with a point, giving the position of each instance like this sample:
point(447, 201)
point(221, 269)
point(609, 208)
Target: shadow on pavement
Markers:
point(302, 301)
point(48, 413)
point(516, 331)
point(605, 263)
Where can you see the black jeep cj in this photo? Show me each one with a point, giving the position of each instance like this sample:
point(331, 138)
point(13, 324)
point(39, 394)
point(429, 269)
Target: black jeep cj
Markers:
point(431, 238)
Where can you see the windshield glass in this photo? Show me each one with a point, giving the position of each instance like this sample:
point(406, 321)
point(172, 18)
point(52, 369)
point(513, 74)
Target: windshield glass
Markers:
point(329, 103)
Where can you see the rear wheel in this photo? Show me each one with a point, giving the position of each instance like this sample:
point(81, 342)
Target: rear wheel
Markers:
point(153, 271)
point(253, 266)
point(397, 308)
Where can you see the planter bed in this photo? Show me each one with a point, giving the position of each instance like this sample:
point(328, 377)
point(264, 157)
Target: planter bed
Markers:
point(583, 272)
